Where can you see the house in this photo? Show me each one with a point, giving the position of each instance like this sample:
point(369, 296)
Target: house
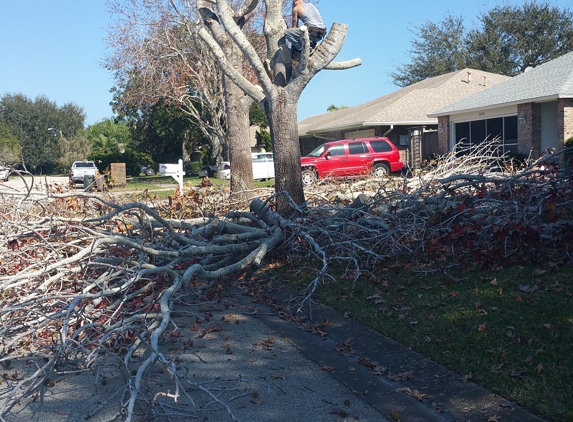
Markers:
point(402, 115)
point(529, 113)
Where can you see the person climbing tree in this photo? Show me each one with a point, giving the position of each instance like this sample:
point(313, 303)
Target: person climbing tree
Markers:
point(311, 19)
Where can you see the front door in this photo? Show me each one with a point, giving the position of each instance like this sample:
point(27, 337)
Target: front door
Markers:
point(335, 160)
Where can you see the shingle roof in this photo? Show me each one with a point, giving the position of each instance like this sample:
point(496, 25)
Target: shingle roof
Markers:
point(550, 80)
point(409, 105)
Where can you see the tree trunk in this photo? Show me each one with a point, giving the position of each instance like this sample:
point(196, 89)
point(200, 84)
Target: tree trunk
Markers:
point(284, 133)
point(185, 154)
point(237, 105)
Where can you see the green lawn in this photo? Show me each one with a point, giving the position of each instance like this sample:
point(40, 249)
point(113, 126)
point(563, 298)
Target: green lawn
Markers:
point(509, 330)
point(162, 187)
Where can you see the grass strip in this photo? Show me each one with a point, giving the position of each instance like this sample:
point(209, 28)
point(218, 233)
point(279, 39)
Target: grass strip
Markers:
point(509, 330)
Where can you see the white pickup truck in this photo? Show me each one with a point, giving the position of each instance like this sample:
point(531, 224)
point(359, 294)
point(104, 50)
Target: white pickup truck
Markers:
point(81, 169)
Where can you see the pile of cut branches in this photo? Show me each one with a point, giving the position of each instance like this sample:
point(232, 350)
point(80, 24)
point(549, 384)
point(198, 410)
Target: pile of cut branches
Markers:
point(83, 276)
point(471, 208)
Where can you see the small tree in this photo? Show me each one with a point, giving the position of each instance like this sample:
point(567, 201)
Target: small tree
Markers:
point(72, 149)
point(108, 136)
point(10, 149)
point(332, 107)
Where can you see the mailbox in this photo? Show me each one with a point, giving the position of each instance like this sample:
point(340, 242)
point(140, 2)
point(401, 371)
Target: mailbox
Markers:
point(175, 171)
point(169, 169)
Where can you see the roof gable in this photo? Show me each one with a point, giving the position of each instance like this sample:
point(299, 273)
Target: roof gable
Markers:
point(409, 105)
point(553, 79)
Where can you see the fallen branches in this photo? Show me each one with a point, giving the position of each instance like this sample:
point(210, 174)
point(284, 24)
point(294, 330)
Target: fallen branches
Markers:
point(89, 282)
point(471, 208)
point(79, 289)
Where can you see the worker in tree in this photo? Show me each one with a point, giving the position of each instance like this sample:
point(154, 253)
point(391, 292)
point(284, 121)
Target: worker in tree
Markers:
point(308, 14)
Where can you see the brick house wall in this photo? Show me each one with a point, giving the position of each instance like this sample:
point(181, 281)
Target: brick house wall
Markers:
point(529, 129)
point(564, 120)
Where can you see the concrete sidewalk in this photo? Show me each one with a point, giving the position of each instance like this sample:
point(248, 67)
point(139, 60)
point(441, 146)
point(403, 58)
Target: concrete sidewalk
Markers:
point(235, 366)
point(393, 379)
point(246, 356)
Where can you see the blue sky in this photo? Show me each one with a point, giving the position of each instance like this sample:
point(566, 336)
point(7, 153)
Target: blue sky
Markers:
point(55, 48)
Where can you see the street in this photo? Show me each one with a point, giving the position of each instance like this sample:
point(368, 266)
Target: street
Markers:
point(17, 184)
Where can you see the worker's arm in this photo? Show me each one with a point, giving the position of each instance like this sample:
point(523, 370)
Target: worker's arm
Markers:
point(295, 15)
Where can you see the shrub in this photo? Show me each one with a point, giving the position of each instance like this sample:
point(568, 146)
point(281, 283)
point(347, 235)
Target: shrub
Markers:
point(568, 142)
point(195, 167)
point(131, 159)
point(264, 139)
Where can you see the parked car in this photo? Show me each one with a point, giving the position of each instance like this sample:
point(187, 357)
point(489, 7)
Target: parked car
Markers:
point(4, 173)
point(263, 166)
point(148, 170)
point(351, 157)
point(81, 169)
point(209, 171)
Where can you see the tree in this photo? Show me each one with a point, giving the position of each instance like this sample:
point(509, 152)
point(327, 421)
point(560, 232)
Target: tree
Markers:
point(10, 149)
point(332, 107)
point(157, 59)
point(29, 121)
point(73, 148)
point(512, 38)
point(278, 85)
point(160, 58)
point(164, 131)
point(507, 40)
point(238, 104)
point(108, 136)
point(439, 48)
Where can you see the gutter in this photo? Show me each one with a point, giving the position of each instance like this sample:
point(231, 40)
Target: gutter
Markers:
point(497, 105)
point(370, 124)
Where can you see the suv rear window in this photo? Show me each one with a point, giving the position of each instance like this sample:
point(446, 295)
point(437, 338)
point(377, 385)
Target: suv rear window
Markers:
point(380, 146)
point(90, 164)
point(357, 148)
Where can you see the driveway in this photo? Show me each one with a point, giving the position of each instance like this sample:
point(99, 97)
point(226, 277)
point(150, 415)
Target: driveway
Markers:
point(18, 184)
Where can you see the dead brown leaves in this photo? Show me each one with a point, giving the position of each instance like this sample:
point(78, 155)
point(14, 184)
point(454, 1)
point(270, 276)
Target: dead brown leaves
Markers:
point(266, 344)
point(413, 393)
point(402, 376)
point(345, 348)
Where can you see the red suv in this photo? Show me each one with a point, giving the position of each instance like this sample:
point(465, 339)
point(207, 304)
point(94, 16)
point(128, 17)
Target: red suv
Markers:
point(351, 157)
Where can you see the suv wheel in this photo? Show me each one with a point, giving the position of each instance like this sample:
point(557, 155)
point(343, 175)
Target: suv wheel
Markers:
point(380, 170)
point(308, 177)
point(149, 171)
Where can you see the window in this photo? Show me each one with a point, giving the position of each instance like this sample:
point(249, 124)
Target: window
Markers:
point(357, 148)
point(502, 128)
point(380, 146)
point(337, 150)
point(477, 132)
point(495, 128)
point(88, 164)
point(317, 152)
point(463, 133)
